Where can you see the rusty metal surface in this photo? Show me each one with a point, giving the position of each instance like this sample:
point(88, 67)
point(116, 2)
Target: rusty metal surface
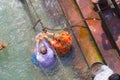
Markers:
point(81, 33)
point(109, 54)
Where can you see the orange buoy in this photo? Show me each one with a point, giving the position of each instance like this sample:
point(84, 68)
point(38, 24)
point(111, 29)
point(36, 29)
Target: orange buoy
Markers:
point(62, 43)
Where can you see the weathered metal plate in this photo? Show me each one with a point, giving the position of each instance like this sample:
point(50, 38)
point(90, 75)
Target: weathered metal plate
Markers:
point(81, 33)
point(109, 54)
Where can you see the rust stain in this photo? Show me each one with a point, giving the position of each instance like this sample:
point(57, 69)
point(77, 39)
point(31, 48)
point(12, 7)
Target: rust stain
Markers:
point(87, 46)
